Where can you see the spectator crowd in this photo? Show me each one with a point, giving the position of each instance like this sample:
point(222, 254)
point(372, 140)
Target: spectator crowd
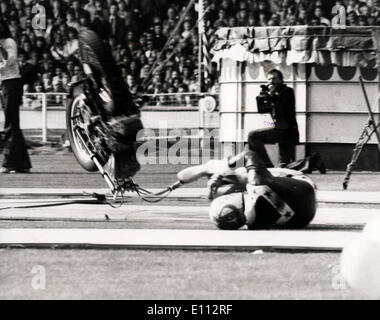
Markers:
point(137, 31)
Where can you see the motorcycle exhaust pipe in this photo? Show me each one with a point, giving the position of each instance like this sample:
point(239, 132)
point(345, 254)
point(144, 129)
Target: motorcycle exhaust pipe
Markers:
point(104, 174)
point(100, 167)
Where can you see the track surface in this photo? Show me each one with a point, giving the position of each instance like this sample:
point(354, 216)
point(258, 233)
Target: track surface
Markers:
point(185, 275)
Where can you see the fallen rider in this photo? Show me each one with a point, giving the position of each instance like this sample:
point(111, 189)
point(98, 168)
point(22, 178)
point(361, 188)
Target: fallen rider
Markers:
point(245, 193)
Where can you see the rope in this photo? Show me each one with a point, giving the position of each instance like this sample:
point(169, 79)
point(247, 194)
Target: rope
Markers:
point(144, 194)
point(56, 204)
point(99, 199)
point(149, 79)
point(150, 197)
point(172, 35)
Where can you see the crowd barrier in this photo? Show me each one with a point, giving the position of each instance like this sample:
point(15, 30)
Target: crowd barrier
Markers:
point(44, 112)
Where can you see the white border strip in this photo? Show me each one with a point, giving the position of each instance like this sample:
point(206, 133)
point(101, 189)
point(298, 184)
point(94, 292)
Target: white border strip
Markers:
point(177, 239)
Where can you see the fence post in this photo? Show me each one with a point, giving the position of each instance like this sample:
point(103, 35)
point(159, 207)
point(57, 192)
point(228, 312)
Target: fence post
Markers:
point(44, 118)
point(201, 122)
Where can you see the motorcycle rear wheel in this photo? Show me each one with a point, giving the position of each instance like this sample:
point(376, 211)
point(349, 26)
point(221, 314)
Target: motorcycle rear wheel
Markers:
point(75, 125)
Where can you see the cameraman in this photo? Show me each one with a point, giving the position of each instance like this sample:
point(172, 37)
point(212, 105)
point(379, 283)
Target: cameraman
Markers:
point(284, 130)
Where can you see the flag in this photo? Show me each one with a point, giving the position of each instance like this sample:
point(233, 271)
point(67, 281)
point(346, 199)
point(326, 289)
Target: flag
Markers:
point(206, 57)
point(206, 45)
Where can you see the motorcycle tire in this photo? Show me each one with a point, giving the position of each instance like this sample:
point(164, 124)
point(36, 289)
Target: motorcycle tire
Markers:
point(80, 151)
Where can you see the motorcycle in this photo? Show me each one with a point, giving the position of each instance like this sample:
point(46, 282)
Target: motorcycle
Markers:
point(102, 117)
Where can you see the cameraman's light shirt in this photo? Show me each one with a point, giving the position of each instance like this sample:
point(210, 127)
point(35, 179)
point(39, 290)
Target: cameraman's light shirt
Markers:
point(9, 68)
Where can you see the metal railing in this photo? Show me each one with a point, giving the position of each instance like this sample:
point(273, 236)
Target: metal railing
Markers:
point(185, 99)
point(51, 101)
point(43, 102)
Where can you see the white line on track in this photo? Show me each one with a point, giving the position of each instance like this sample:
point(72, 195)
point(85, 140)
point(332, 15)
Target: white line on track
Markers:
point(76, 212)
point(322, 196)
point(177, 239)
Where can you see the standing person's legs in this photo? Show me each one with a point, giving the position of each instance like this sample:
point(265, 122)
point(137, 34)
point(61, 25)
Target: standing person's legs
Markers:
point(287, 153)
point(257, 140)
point(15, 153)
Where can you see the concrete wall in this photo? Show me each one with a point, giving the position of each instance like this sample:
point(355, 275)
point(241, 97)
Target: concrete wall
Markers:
point(153, 118)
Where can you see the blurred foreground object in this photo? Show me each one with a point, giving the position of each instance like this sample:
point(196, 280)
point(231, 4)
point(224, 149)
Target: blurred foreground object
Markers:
point(360, 261)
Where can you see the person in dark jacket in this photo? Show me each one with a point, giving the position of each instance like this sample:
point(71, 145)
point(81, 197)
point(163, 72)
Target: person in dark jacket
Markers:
point(245, 193)
point(16, 158)
point(284, 129)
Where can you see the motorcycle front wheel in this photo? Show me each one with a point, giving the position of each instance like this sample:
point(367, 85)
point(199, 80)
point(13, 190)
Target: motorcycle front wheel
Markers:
point(75, 122)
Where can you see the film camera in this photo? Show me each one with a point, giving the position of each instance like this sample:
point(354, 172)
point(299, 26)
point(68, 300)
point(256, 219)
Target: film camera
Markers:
point(264, 100)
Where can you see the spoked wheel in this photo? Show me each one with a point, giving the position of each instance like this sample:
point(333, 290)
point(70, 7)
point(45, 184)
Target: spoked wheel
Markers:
point(75, 121)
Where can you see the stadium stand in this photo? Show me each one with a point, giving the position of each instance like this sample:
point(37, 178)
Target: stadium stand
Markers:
point(137, 31)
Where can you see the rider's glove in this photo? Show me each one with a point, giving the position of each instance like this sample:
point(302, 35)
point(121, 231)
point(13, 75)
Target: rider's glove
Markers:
point(213, 185)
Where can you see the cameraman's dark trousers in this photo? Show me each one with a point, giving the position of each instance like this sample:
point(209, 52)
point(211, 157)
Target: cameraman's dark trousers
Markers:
point(284, 130)
point(15, 153)
point(287, 146)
